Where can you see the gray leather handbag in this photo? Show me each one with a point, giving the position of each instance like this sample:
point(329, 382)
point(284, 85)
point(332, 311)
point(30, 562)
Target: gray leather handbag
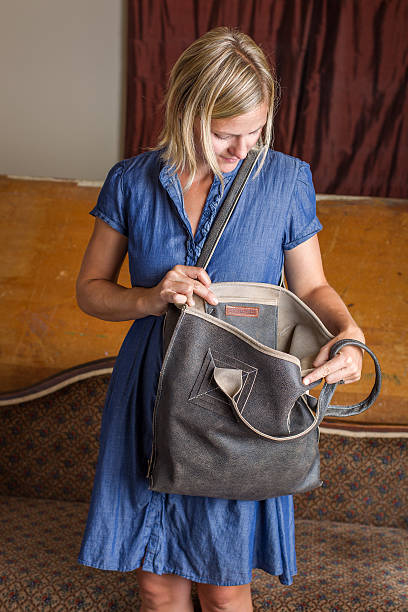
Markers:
point(232, 418)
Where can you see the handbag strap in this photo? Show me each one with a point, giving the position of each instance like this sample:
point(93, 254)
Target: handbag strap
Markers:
point(323, 403)
point(227, 208)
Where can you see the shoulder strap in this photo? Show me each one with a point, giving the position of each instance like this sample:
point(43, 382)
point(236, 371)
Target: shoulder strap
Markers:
point(227, 208)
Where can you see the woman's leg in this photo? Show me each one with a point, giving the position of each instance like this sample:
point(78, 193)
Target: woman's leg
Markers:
point(225, 598)
point(166, 593)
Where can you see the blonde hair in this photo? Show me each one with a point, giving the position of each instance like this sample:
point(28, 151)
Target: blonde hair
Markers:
point(222, 74)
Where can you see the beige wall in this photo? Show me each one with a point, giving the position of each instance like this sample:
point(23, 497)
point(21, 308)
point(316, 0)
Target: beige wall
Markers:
point(62, 87)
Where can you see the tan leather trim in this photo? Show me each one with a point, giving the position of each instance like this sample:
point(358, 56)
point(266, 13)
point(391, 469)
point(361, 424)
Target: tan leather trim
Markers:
point(253, 291)
point(241, 292)
point(273, 301)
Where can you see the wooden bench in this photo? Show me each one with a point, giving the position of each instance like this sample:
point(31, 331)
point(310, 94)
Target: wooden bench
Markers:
point(45, 230)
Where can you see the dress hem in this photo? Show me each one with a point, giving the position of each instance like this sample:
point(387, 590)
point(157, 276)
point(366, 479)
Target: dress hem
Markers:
point(193, 578)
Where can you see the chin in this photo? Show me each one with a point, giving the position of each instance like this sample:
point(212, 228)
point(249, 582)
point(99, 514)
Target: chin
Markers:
point(227, 165)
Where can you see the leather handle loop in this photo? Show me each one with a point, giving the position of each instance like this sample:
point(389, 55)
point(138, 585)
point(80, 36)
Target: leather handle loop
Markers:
point(329, 388)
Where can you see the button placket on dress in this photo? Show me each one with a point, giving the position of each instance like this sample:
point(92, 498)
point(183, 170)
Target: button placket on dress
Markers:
point(194, 246)
point(154, 526)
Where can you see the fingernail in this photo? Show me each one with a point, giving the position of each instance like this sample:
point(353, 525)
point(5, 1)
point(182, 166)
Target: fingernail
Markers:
point(215, 300)
point(306, 381)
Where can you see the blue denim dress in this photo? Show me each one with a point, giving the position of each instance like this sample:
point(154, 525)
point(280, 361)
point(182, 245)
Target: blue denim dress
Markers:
point(216, 541)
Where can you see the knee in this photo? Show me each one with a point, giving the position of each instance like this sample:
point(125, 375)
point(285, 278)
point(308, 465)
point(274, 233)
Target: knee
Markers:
point(154, 597)
point(154, 594)
point(166, 592)
point(225, 599)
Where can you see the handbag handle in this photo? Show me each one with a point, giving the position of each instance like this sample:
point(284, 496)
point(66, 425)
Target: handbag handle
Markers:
point(329, 388)
point(231, 386)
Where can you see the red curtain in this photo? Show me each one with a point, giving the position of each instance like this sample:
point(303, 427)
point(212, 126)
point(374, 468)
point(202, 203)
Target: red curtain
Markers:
point(342, 66)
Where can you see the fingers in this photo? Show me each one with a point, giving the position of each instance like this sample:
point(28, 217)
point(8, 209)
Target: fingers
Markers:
point(182, 282)
point(193, 272)
point(323, 355)
point(345, 366)
point(327, 370)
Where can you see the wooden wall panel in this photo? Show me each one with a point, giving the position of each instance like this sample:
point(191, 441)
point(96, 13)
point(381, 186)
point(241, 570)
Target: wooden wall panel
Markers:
point(363, 244)
point(44, 231)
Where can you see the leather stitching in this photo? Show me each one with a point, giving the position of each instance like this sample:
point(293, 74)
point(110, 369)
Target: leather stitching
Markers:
point(212, 392)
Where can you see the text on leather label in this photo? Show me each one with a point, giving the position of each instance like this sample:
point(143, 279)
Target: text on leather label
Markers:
point(241, 311)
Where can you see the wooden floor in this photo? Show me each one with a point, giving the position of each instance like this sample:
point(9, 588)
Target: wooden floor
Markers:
point(44, 231)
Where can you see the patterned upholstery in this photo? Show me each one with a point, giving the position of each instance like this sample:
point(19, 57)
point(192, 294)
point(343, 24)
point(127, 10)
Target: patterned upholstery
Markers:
point(351, 545)
point(365, 481)
point(49, 446)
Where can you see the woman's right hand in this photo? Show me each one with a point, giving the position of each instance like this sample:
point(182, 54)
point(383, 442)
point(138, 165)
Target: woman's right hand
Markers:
point(178, 287)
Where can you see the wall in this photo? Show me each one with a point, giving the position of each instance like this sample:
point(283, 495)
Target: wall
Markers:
point(62, 87)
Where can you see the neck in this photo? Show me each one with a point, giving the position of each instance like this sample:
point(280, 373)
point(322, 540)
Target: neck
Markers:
point(203, 176)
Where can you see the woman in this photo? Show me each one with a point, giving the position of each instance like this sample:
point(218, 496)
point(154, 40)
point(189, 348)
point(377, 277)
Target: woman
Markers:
point(159, 207)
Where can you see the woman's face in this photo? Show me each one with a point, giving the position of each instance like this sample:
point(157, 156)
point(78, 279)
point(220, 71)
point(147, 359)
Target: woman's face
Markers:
point(233, 137)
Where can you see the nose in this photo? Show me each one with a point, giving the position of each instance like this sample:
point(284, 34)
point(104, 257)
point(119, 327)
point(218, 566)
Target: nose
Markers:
point(239, 148)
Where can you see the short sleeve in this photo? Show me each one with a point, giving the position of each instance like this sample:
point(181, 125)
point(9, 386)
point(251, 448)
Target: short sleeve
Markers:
point(111, 205)
point(302, 222)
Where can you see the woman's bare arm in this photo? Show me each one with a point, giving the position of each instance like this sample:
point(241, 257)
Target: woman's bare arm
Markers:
point(305, 277)
point(100, 295)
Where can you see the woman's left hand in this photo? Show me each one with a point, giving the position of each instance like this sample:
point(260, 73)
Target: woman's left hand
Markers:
point(344, 367)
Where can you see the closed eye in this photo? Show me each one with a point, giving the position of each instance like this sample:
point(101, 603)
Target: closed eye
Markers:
point(220, 137)
point(227, 136)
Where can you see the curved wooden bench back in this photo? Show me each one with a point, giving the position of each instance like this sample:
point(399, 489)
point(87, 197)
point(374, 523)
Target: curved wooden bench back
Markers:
point(45, 230)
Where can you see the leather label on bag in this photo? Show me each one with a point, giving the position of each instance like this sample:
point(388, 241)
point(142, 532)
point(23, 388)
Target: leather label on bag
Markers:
point(241, 311)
